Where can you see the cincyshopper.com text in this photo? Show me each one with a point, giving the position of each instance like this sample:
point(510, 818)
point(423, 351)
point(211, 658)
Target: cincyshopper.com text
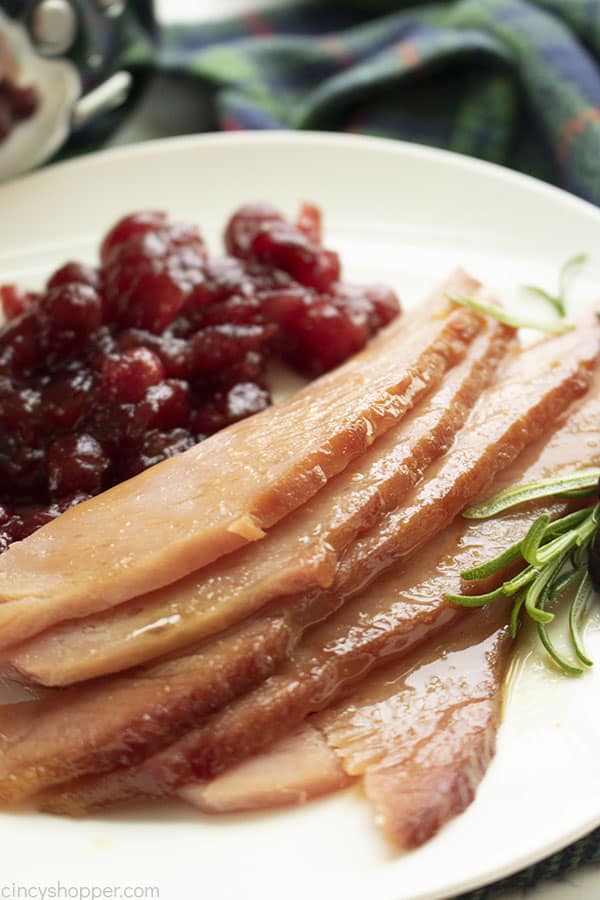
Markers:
point(60, 891)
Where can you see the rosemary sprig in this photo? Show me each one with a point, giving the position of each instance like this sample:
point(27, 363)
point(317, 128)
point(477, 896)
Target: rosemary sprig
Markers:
point(567, 275)
point(584, 482)
point(507, 318)
point(554, 555)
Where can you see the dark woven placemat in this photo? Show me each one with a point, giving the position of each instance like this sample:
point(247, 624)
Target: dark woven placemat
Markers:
point(557, 867)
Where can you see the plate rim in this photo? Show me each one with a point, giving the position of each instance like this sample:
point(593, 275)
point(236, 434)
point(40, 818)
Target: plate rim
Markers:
point(289, 136)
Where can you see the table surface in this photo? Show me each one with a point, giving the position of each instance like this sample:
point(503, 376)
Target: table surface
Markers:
point(168, 109)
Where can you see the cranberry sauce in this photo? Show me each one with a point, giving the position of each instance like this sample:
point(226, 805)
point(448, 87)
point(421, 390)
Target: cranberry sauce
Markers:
point(111, 369)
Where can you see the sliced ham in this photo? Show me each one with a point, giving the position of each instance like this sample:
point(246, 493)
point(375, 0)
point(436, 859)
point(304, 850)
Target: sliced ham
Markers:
point(300, 553)
point(190, 510)
point(402, 609)
point(106, 723)
point(82, 731)
point(420, 732)
point(299, 768)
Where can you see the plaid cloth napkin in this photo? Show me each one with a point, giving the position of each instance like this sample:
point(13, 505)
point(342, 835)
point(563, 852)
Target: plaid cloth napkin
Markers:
point(510, 81)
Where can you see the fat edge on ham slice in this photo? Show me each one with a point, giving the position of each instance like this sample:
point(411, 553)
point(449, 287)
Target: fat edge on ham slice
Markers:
point(300, 553)
point(85, 727)
point(313, 679)
point(420, 732)
point(183, 514)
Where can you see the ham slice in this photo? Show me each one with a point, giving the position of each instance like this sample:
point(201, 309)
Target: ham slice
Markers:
point(99, 725)
point(420, 732)
point(298, 554)
point(190, 510)
point(299, 768)
point(402, 609)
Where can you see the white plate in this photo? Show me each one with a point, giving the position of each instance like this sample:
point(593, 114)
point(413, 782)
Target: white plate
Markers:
point(405, 215)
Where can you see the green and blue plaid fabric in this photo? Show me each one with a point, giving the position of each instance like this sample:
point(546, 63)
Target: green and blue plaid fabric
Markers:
point(516, 82)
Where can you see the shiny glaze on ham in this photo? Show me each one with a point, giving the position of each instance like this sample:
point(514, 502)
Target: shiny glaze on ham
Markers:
point(189, 510)
point(106, 723)
point(83, 733)
point(420, 734)
point(397, 613)
point(300, 553)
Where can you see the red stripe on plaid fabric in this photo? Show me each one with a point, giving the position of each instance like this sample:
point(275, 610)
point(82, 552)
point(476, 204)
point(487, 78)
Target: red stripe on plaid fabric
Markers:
point(257, 24)
point(408, 53)
point(575, 126)
point(336, 48)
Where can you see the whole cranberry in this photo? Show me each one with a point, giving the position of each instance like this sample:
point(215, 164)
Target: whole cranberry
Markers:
point(148, 279)
point(280, 244)
point(235, 310)
point(19, 343)
point(218, 346)
point(68, 313)
point(128, 375)
point(15, 300)
point(374, 305)
point(75, 273)
point(129, 226)
point(319, 336)
point(67, 398)
point(170, 404)
point(244, 225)
point(158, 446)
point(76, 462)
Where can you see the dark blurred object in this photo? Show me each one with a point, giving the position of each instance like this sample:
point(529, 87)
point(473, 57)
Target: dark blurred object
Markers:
point(81, 63)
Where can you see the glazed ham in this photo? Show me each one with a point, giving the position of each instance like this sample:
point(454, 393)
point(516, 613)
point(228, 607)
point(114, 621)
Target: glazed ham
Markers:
point(298, 554)
point(226, 491)
point(81, 733)
point(439, 718)
point(422, 730)
point(300, 767)
point(420, 733)
point(395, 615)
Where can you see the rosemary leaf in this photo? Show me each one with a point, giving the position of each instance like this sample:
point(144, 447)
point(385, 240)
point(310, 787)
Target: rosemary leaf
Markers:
point(499, 562)
point(579, 605)
point(475, 600)
point(514, 616)
point(563, 581)
point(561, 661)
point(507, 318)
point(532, 540)
point(565, 523)
point(538, 589)
point(520, 581)
point(533, 490)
